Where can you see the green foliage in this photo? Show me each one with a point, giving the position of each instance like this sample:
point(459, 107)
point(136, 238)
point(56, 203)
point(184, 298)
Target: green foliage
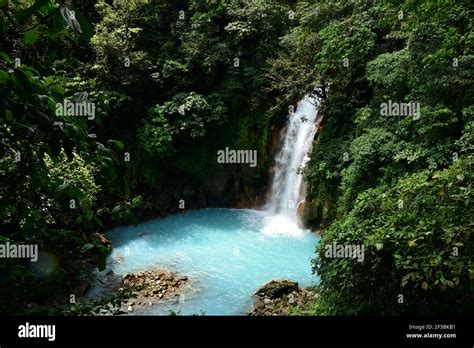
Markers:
point(403, 52)
point(187, 95)
point(369, 154)
point(30, 37)
point(74, 174)
point(418, 243)
point(175, 81)
point(156, 134)
point(388, 72)
point(167, 91)
point(348, 40)
point(52, 167)
point(189, 114)
point(114, 41)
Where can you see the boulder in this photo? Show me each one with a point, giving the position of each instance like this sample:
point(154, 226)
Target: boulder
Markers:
point(308, 214)
point(259, 305)
point(101, 239)
point(302, 298)
point(277, 288)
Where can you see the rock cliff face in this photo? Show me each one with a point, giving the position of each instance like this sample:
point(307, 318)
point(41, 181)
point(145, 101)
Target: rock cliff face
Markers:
point(313, 213)
point(226, 185)
point(233, 186)
point(230, 185)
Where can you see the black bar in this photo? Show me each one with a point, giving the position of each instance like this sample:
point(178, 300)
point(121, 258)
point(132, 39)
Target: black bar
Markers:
point(289, 331)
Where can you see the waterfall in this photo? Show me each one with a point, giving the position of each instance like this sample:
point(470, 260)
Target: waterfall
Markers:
point(288, 187)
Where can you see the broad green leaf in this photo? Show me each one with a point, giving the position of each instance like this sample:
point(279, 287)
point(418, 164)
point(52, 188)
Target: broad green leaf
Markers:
point(6, 57)
point(24, 15)
point(3, 77)
point(30, 37)
point(119, 144)
point(87, 246)
point(8, 115)
point(59, 89)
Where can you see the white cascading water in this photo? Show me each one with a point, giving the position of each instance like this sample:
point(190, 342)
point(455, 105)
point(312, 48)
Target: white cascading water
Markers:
point(288, 186)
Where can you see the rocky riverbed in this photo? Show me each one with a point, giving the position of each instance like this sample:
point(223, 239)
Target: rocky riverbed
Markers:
point(279, 296)
point(140, 290)
point(149, 287)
